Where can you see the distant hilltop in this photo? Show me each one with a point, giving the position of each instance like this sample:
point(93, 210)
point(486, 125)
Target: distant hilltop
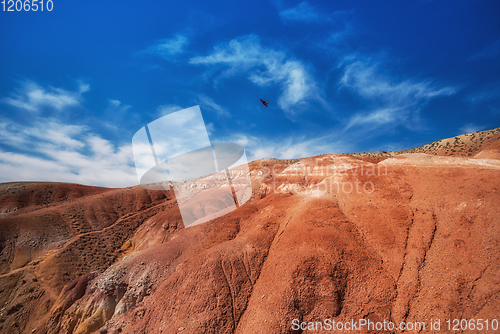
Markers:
point(481, 144)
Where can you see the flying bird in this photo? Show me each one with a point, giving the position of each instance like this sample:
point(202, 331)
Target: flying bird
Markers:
point(263, 102)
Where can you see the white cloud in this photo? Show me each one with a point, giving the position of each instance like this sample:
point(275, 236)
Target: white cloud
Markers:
point(303, 12)
point(32, 97)
point(208, 103)
point(166, 109)
point(289, 147)
point(266, 67)
point(377, 117)
point(117, 106)
point(491, 51)
point(52, 151)
point(167, 48)
point(40, 148)
point(471, 127)
point(367, 81)
point(52, 132)
point(482, 96)
point(335, 40)
point(210, 128)
point(396, 100)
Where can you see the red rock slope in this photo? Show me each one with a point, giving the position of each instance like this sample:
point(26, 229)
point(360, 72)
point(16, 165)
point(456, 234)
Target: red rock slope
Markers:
point(412, 238)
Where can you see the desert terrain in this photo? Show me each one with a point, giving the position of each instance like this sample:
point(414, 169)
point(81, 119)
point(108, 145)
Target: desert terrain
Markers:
point(407, 236)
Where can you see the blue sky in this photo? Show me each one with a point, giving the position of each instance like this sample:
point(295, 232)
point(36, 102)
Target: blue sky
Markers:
point(76, 83)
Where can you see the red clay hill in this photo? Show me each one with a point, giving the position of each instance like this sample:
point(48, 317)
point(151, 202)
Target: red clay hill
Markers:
point(404, 236)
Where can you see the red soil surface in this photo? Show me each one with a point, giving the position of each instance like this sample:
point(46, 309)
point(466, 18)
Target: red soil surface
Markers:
point(395, 237)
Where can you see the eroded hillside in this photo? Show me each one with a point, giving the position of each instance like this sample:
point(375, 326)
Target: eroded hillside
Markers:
point(407, 237)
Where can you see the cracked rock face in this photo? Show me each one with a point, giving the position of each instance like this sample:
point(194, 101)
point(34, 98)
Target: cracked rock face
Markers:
point(409, 237)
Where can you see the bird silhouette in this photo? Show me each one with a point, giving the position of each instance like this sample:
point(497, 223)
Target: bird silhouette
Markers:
point(263, 102)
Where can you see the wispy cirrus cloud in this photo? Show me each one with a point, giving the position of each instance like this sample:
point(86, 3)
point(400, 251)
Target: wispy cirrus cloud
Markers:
point(52, 132)
point(63, 153)
point(366, 79)
point(391, 100)
point(303, 12)
point(378, 117)
point(210, 104)
point(483, 95)
point(289, 147)
point(336, 38)
point(32, 97)
point(166, 109)
point(264, 66)
point(116, 114)
point(491, 51)
point(45, 148)
point(166, 48)
point(118, 106)
point(471, 127)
